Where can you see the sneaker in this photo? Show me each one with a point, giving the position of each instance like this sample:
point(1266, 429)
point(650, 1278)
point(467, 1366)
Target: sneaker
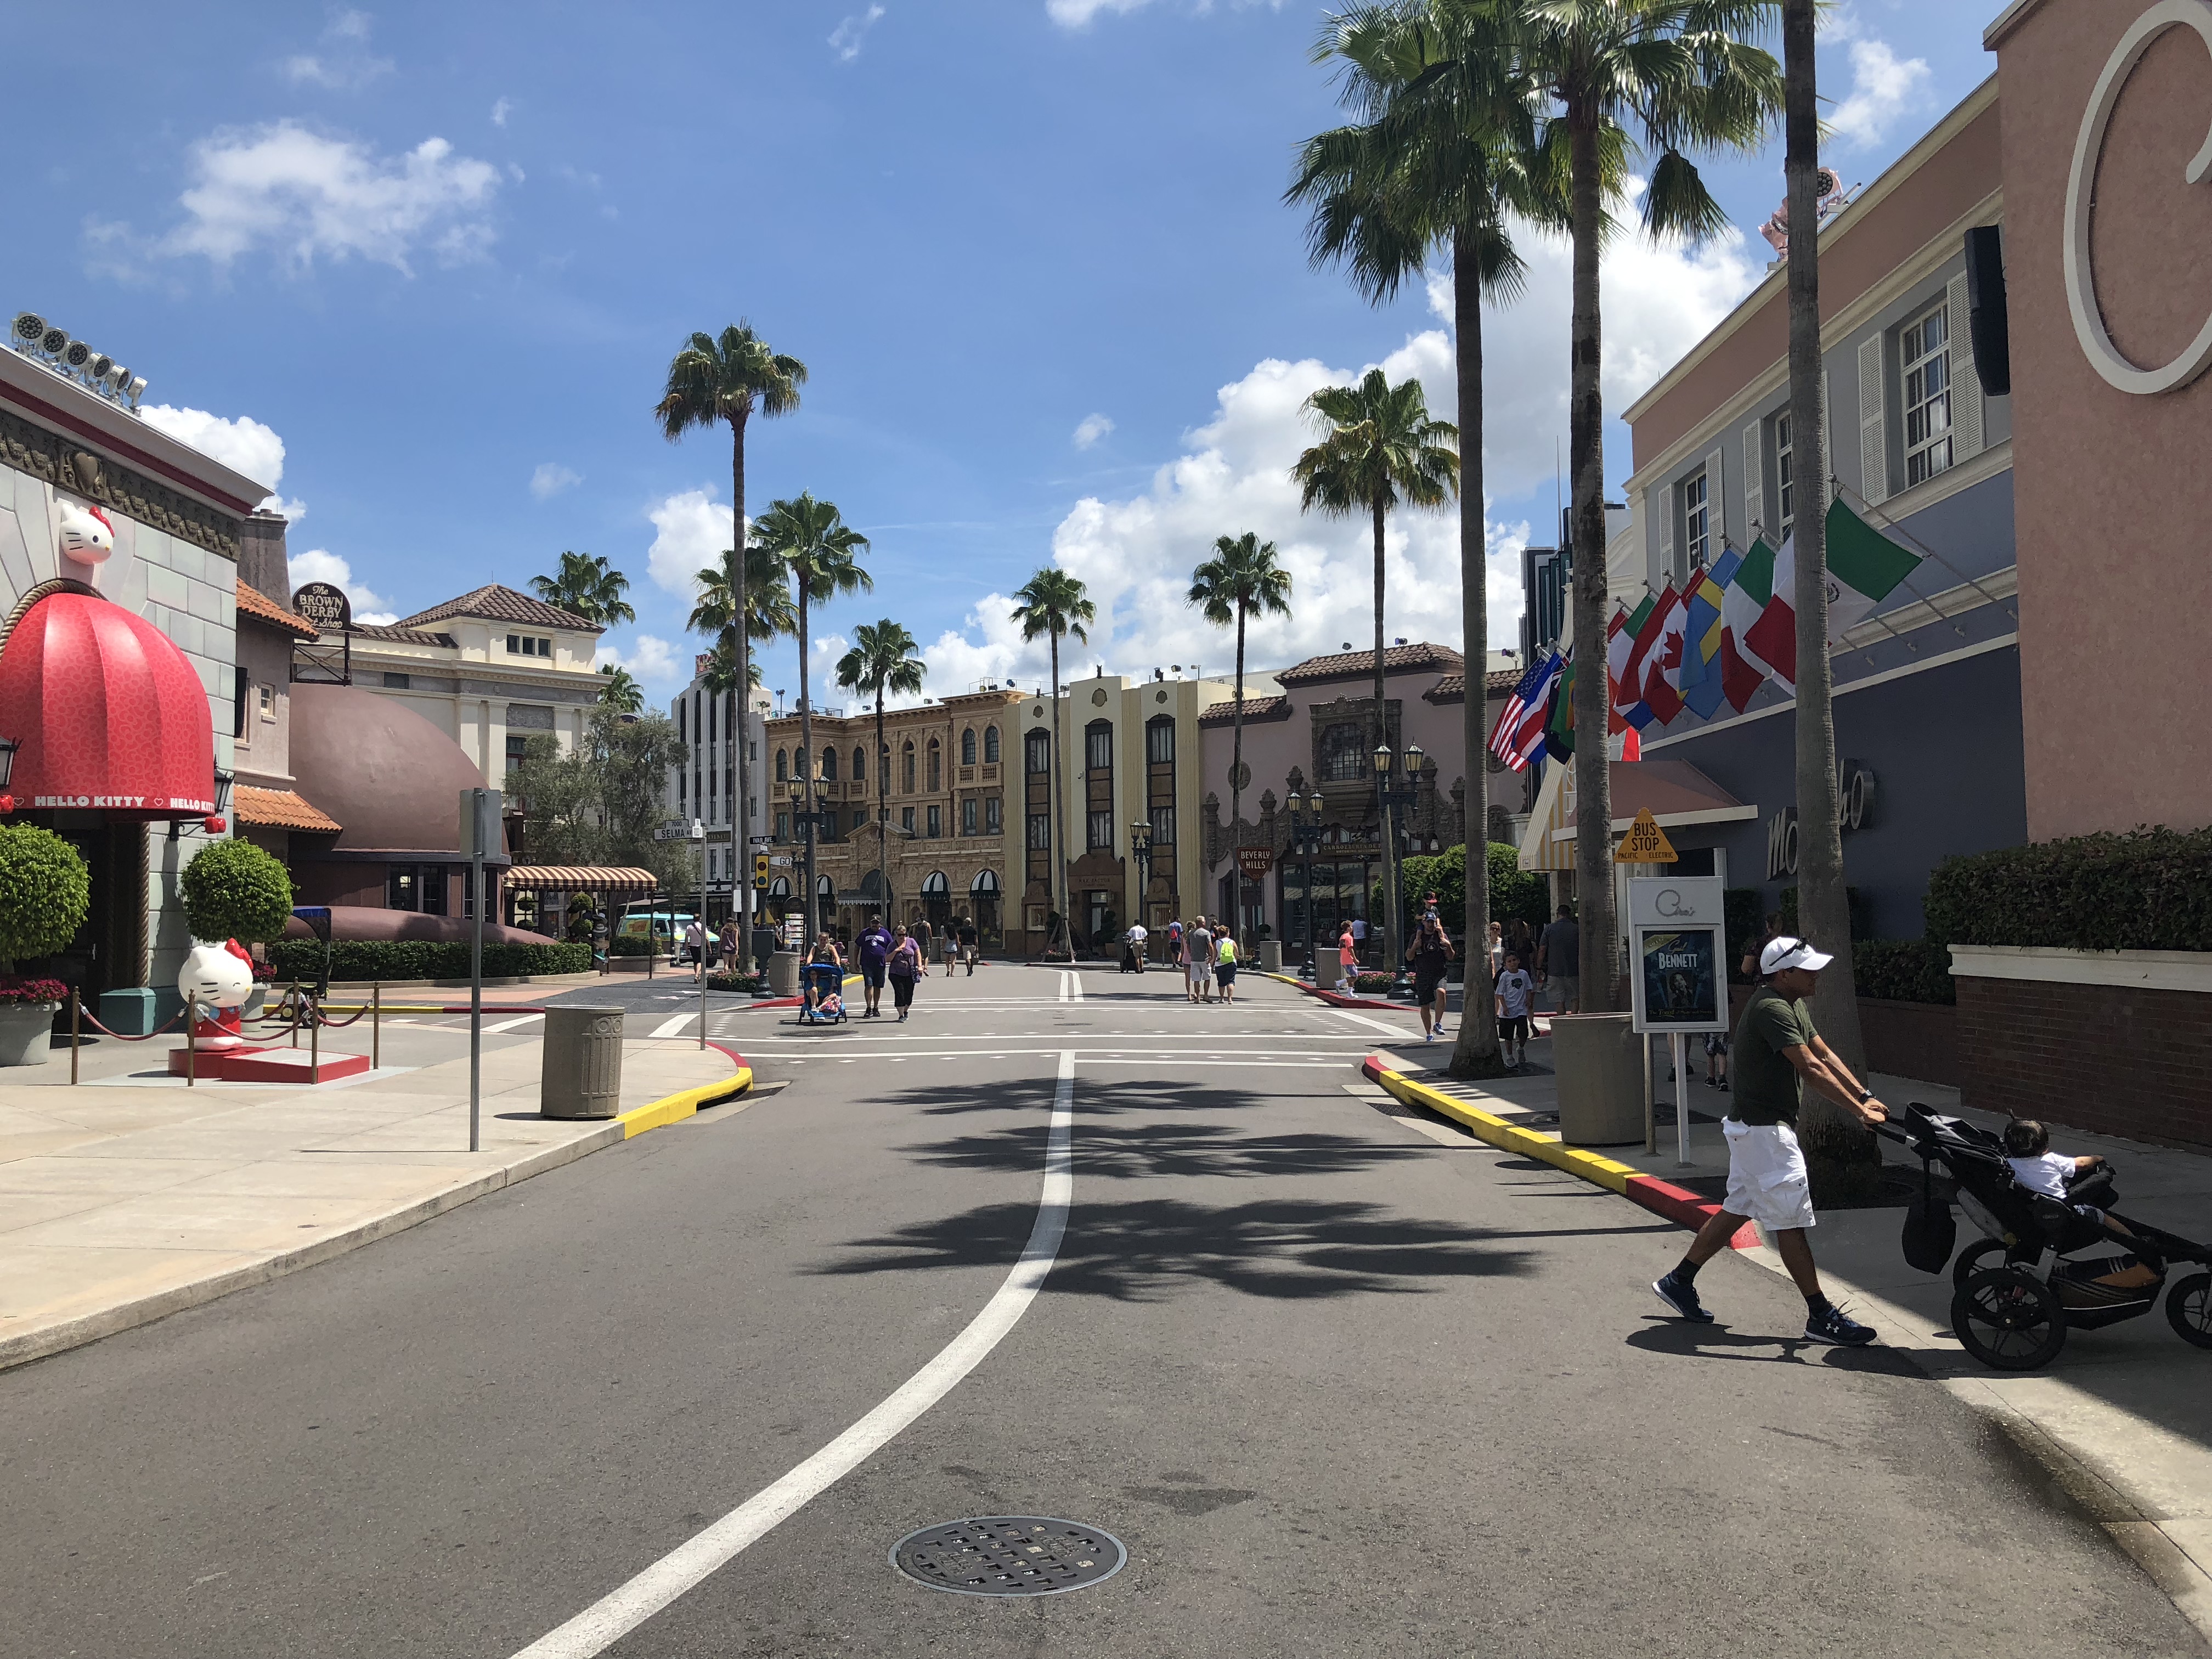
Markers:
point(1428, 1036)
point(1838, 1327)
point(1725, 1088)
point(1683, 1299)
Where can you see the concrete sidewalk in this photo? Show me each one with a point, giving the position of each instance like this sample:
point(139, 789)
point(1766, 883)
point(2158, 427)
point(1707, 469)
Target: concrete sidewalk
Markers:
point(128, 1198)
point(2121, 1420)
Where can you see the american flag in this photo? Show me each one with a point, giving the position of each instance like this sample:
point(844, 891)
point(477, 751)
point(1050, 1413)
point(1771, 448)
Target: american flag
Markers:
point(1520, 729)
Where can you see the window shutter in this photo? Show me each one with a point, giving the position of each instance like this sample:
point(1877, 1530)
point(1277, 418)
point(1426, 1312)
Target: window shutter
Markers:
point(1715, 507)
point(1873, 429)
point(1662, 507)
point(1754, 482)
point(1965, 380)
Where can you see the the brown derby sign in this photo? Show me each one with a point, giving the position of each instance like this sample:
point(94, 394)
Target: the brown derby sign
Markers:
point(2080, 187)
point(1255, 861)
point(325, 606)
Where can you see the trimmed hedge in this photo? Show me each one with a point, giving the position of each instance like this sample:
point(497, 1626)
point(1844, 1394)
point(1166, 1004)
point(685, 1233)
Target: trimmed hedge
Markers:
point(234, 889)
point(408, 959)
point(2149, 890)
point(1902, 970)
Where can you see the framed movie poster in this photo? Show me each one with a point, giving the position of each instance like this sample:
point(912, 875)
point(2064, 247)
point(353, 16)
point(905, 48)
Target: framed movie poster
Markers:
point(1677, 977)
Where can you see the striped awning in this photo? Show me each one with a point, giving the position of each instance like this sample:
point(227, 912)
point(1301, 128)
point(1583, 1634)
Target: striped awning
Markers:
point(579, 878)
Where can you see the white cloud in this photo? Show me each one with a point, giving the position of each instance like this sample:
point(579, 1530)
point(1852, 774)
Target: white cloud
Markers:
point(344, 63)
point(293, 509)
point(551, 478)
point(320, 565)
point(847, 39)
point(1090, 429)
point(243, 445)
point(694, 532)
point(650, 659)
point(306, 196)
point(500, 111)
point(1884, 87)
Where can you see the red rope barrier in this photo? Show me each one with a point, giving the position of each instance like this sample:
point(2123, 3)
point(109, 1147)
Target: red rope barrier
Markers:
point(93, 1020)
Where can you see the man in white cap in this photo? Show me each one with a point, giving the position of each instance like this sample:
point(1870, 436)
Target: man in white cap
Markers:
point(1777, 1053)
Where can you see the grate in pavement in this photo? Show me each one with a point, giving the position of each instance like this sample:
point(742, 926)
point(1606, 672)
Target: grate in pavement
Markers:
point(1009, 1555)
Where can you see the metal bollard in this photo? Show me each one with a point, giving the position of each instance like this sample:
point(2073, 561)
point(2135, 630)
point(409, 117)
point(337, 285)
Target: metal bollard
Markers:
point(76, 1008)
point(376, 1026)
point(314, 1045)
point(192, 1054)
point(296, 1013)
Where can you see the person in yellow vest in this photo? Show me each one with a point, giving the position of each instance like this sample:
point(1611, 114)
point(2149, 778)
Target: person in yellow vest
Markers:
point(1225, 965)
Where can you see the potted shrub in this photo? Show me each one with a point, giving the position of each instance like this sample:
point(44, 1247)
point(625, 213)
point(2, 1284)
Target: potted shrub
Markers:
point(234, 889)
point(44, 892)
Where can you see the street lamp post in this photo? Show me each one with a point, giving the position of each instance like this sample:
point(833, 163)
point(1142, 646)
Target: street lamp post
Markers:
point(802, 818)
point(1140, 844)
point(699, 841)
point(1388, 767)
point(1305, 832)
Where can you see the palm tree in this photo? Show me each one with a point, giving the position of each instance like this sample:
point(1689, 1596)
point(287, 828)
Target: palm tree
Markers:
point(1447, 155)
point(1679, 76)
point(1241, 579)
point(621, 693)
point(812, 544)
point(586, 588)
point(1053, 604)
point(722, 380)
point(1380, 450)
point(768, 615)
point(882, 660)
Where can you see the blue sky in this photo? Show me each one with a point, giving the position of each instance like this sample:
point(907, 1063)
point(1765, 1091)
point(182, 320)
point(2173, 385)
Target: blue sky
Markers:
point(433, 260)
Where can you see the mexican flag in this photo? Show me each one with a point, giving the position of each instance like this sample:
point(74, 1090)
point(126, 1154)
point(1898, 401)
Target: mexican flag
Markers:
point(1864, 568)
point(1758, 611)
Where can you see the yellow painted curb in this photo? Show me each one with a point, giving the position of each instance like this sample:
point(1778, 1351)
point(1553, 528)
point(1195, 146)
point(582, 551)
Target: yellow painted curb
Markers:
point(678, 1107)
point(1609, 1173)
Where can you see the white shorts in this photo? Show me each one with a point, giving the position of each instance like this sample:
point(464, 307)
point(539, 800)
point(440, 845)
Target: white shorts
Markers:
point(1766, 1175)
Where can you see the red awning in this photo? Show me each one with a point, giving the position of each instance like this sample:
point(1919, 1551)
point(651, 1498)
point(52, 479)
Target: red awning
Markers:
point(110, 713)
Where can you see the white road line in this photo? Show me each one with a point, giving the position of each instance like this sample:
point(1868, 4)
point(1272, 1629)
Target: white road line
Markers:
point(1372, 1024)
point(669, 1028)
point(509, 1024)
point(616, 1614)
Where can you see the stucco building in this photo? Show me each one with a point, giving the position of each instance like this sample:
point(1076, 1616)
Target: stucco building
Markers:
point(704, 788)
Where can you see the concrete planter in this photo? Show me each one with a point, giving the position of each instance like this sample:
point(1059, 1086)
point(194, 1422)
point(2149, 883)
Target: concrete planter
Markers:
point(783, 974)
point(26, 1032)
point(1271, 956)
point(1600, 1079)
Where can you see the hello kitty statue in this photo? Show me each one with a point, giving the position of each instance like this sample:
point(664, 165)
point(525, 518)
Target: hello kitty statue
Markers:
point(219, 978)
point(87, 538)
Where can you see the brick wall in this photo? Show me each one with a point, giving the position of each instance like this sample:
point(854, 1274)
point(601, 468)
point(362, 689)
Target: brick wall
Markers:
point(2117, 1060)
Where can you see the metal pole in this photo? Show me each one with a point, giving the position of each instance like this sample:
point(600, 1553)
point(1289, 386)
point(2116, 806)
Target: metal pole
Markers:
point(476, 985)
point(192, 1054)
point(314, 1045)
point(702, 940)
point(76, 1008)
point(1679, 1050)
point(295, 1014)
point(1650, 1103)
point(376, 1026)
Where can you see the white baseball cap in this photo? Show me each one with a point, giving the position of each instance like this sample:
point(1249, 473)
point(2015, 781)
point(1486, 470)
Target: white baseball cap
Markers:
point(1784, 953)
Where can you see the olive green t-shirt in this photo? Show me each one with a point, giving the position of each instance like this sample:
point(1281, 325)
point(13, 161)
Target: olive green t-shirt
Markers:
point(1765, 1084)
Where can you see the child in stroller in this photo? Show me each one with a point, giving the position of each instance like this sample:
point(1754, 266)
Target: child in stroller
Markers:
point(2075, 1182)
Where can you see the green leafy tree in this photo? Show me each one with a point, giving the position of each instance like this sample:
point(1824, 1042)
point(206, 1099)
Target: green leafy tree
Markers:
point(1054, 604)
point(586, 587)
point(881, 661)
point(1380, 449)
point(234, 890)
point(811, 543)
point(558, 794)
point(621, 693)
point(629, 762)
point(723, 380)
point(1241, 579)
point(44, 893)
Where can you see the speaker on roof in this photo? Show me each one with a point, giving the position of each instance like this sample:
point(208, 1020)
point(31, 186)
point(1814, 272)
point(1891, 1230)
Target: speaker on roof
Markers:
point(1990, 330)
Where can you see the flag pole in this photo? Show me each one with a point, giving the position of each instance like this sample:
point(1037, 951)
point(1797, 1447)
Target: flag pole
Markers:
point(1888, 523)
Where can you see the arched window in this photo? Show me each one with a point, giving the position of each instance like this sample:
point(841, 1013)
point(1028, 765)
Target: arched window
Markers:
point(830, 764)
point(800, 761)
point(906, 767)
point(990, 745)
point(968, 747)
point(783, 766)
point(1038, 745)
point(860, 764)
point(936, 767)
point(986, 882)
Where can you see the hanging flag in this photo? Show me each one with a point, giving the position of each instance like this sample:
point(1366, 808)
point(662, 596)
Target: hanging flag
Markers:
point(1508, 718)
point(1770, 638)
point(1628, 706)
point(1864, 568)
point(1740, 677)
point(1559, 721)
point(1702, 663)
point(1526, 734)
point(1663, 664)
point(1647, 640)
point(1626, 744)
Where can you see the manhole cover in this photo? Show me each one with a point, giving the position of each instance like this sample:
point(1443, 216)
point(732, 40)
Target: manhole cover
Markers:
point(1009, 1555)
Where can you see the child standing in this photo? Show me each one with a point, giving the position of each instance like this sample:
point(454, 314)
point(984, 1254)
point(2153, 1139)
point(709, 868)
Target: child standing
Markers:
point(1716, 1061)
point(1515, 997)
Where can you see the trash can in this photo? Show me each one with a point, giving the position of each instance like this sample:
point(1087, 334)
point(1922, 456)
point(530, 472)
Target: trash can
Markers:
point(1600, 1078)
point(1271, 956)
point(581, 1074)
point(783, 974)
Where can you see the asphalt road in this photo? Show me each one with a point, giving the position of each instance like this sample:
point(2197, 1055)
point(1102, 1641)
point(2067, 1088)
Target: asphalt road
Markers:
point(1344, 1384)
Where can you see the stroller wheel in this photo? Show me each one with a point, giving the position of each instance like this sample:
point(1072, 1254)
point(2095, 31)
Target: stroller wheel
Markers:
point(1974, 1257)
point(2188, 1309)
point(2008, 1320)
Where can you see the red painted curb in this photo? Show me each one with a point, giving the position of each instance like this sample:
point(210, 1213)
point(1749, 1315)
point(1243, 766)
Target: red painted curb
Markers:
point(1679, 1205)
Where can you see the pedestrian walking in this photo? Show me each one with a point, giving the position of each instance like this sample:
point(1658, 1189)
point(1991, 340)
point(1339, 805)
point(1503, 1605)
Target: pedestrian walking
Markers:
point(1359, 939)
point(1133, 949)
point(948, 948)
point(1516, 998)
point(728, 939)
point(1494, 948)
point(602, 942)
point(1431, 954)
point(970, 944)
point(1716, 1056)
point(1199, 980)
point(1225, 965)
point(921, 937)
point(1778, 1052)
point(1521, 939)
point(695, 948)
point(903, 968)
point(1348, 956)
point(1559, 963)
point(1769, 932)
point(873, 950)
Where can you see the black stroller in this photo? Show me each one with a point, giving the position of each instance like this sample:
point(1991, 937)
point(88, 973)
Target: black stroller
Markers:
point(2041, 1267)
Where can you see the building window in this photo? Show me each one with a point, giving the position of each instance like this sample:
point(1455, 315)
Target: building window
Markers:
point(782, 766)
point(968, 815)
point(906, 768)
point(990, 745)
point(906, 819)
point(968, 747)
point(402, 888)
point(936, 767)
point(1925, 348)
point(859, 817)
point(991, 815)
point(783, 826)
point(1099, 831)
point(798, 763)
point(1344, 754)
point(829, 764)
point(1038, 748)
point(860, 764)
point(1160, 741)
point(1785, 468)
point(936, 821)
point(1164, 826)
point(528, 644)
point(1697, 521)
point(1040, 831)
point(395, 682)
point(517, 747)
point(1098, 746)
point(267, 696)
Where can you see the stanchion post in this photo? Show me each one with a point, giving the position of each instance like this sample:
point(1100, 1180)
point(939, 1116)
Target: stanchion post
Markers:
point(376, 1026)
point(1679, 1049)
point(191, 1052)
point(296, 1013)
point(314, 1045)
point(76, 1009)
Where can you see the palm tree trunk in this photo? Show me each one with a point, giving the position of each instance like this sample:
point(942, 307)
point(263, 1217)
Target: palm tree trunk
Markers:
point(1594, 907)
point(1059, 815)
point(882, 809)
point(1474, 1051)
point(741, 866)
point(1237, 791)
point(1823, 905)
point(1389, 897)
point(806, 766)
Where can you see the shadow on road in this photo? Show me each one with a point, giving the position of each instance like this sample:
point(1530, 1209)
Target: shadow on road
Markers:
point(1718, 1342)
point(1130, 1153)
